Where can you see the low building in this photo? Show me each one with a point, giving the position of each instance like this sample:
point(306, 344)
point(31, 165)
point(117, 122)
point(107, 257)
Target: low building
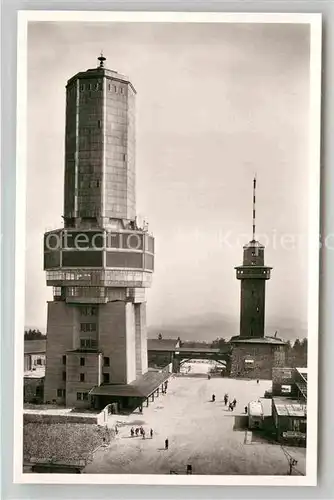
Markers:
point(255, 357)
point(290, 382)
point(34, 354)
point(289, 411)
point(289, 416)
point(33, 385)
point(160, 352)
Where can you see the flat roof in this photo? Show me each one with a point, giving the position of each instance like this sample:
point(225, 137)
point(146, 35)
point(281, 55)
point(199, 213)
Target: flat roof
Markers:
point(287, 407)
point(35, 346)
point(258, 340)
point(161, 344)
point(142, 387)
point(38, 373)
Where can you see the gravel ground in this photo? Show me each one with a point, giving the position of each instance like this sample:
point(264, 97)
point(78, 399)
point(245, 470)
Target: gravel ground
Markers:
point(200, 432)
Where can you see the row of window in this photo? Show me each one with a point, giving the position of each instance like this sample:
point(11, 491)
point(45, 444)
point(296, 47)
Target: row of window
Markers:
point(98, 86)
point(88, 327)
point(106, 362)
point(82, 396)
point(82, 378)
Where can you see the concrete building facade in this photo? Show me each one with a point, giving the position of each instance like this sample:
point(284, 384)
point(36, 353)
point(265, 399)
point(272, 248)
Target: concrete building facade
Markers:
point(101, 261)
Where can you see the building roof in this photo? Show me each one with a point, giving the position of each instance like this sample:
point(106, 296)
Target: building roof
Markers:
point(142, 387)
point(37, 373)
point(162, 344)
point(287, 407)
point(34, 346)
point(257, 340)
point(303, 373)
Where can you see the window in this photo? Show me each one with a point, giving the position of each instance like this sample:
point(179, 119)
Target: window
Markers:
point(115, 88)
point(109, 86)
point(286, 389)
point(82, 361)
point(39, 361)
point(79, 396)
point(82, 377)
point(88, 343)
point(99, 123)
point(106, 378)
point(88, 310)
point(88, 327)
point(121, 90)
point(64, 360)
point(61, 393)
point(64, 376)
point(85, 396)
point(106, 361)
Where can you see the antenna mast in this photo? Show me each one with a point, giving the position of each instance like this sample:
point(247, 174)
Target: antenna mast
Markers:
point(254, 203)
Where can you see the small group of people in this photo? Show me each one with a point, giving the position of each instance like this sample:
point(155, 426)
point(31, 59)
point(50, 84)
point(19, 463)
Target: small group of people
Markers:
point(140, 431)
point(231, 405)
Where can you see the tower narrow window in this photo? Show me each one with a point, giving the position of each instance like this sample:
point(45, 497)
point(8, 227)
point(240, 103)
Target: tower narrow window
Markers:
point(82, 377)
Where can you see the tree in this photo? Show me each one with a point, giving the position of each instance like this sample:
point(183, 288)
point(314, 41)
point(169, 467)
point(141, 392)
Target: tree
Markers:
point(34, 335)
point(218, 343)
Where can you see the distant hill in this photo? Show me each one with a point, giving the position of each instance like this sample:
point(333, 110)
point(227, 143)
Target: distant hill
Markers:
point(208, 327)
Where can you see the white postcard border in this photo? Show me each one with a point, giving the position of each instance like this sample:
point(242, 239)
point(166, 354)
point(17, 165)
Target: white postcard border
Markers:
point(315, 22)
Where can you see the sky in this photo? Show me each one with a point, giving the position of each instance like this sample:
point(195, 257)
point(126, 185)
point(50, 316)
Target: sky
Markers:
point(216, 104)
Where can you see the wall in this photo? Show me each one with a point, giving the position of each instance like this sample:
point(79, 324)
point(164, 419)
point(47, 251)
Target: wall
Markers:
point(262, 355)
point(141, 338)
point(33, 390)
point(61, 326)
point(44, 418)
point(117, 340)
point(91, 371)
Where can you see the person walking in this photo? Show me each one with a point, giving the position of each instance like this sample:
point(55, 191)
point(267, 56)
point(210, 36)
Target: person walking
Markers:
point(166, 444)
point(151, 433)
point(246, 410)
point(257, 381)
point(137, 431)
point(226, 399)
point(213, 398)
point(234, 402)
point(132, 432)
point(116, 430)
point(231, 407)
point(144, 434)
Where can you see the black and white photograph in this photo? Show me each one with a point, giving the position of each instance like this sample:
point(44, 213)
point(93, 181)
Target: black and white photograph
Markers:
point(169, 330)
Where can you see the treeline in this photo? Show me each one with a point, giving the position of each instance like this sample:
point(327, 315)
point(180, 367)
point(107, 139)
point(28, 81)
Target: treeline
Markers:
point(34, 335)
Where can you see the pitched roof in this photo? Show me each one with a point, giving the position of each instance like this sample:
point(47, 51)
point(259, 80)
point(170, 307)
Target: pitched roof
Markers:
point(142, 387)
point(161, 344)
point(34, 346)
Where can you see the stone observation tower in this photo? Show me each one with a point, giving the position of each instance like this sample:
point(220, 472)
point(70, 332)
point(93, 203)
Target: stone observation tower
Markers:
point(253, 275)
point(253, 353)
point(101, 261)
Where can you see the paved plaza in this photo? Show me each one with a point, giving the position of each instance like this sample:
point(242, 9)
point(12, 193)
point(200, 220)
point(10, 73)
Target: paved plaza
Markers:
point(200, 432)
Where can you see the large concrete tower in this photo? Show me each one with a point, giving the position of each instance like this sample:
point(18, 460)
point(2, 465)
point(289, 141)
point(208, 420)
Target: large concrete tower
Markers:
point(253, 275)
point(100, 263)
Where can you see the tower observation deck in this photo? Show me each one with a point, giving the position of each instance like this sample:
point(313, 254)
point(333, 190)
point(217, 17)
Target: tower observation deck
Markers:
point(101, 261)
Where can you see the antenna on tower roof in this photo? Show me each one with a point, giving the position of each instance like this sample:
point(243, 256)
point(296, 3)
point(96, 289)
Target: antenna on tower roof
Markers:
point(101, 59)
point(254, 203)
